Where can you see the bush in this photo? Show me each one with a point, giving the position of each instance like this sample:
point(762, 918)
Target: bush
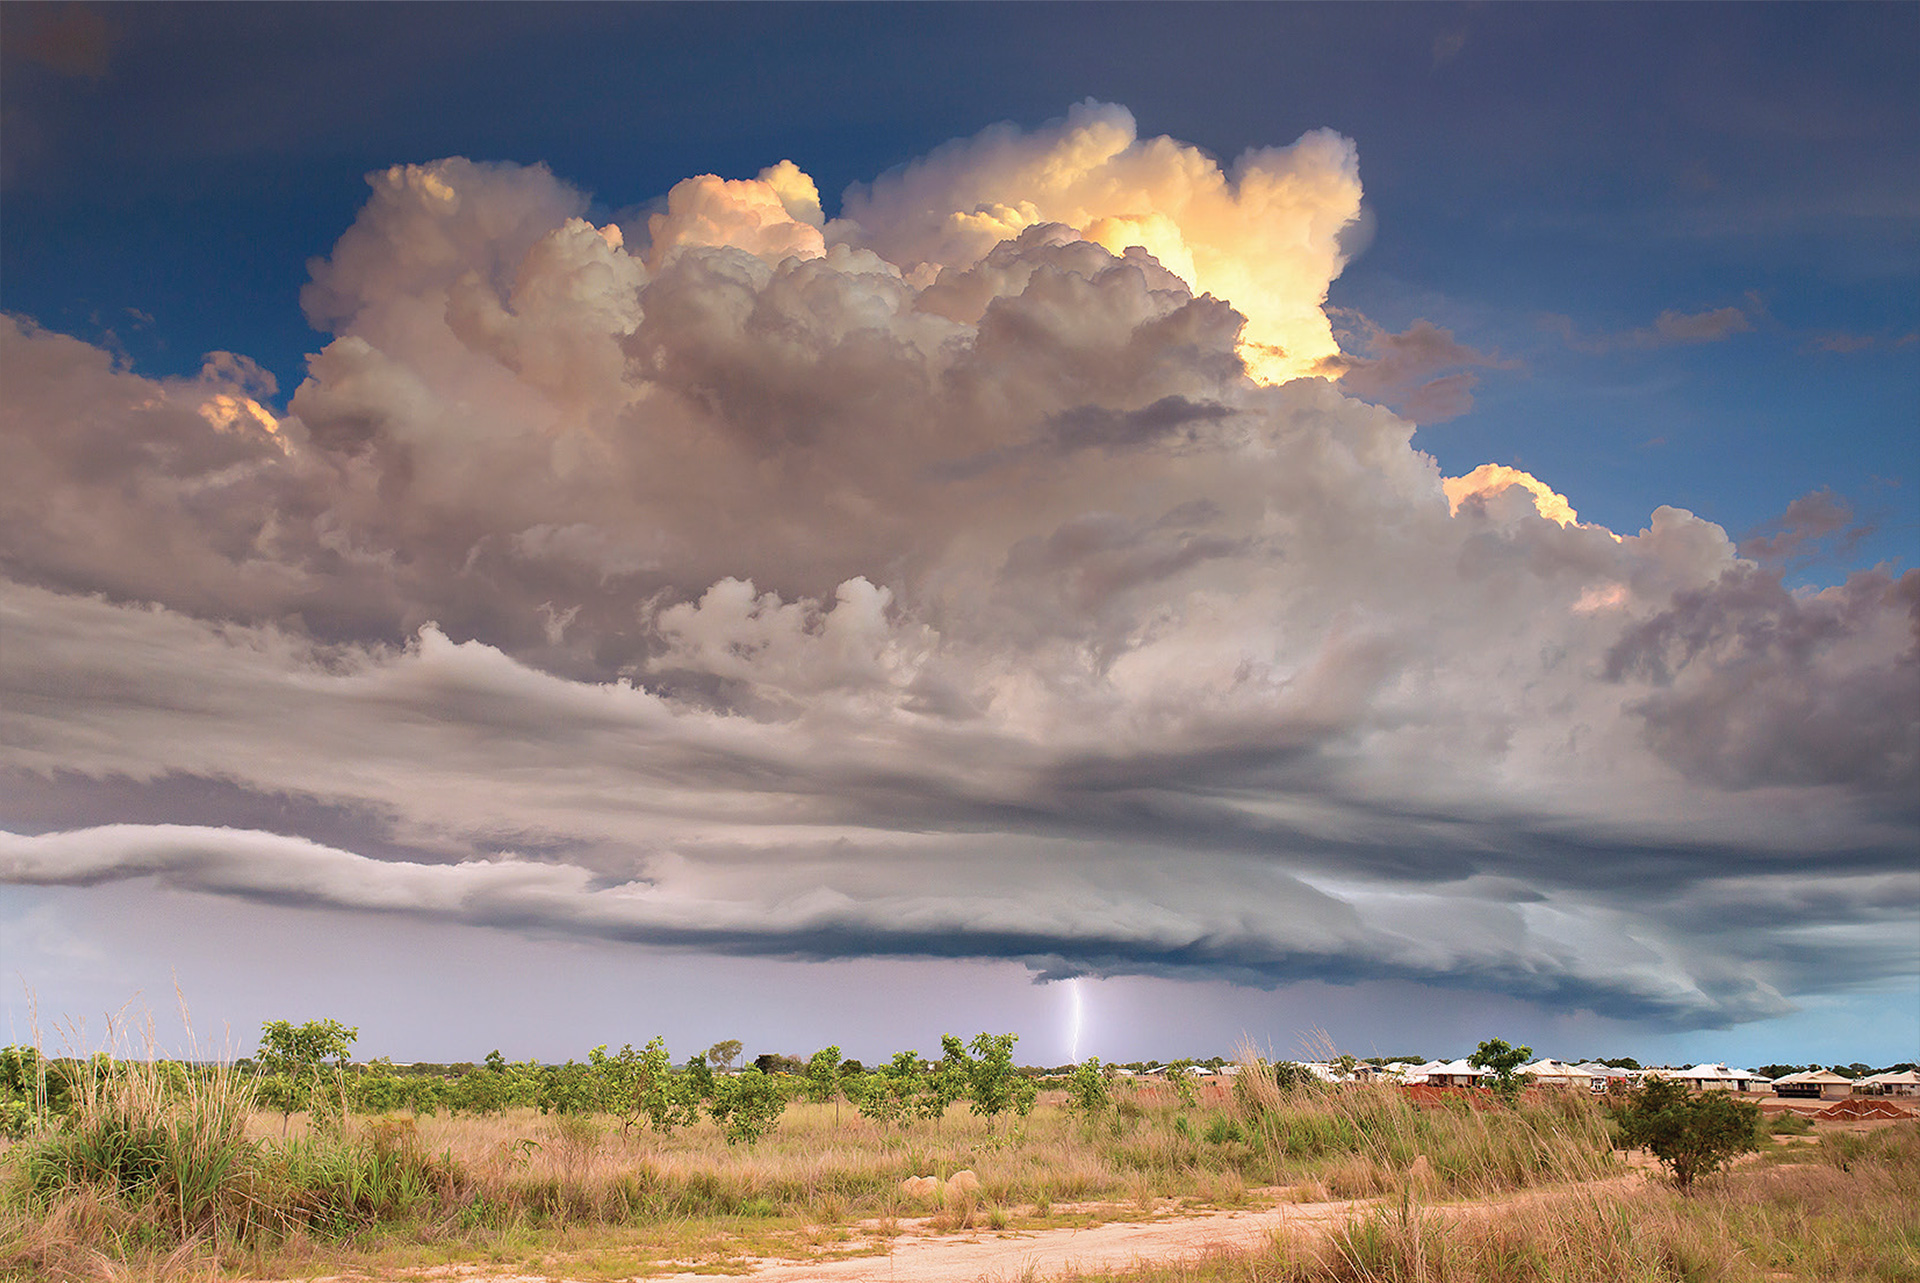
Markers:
point(746, 1106)
point(1087, 1093)
point(1789, 1124)
point(1693, 1135)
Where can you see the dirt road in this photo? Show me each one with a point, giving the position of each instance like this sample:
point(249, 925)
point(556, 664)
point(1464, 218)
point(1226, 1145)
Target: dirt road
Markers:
point(1040, 1254)
point(918, 1254)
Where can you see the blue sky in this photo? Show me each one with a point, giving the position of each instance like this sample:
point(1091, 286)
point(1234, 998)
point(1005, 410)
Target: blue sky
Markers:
point(1650, 255)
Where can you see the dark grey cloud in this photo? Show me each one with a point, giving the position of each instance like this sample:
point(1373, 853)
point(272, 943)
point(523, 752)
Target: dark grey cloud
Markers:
point(1738, 696)
point(1423, 372)
point(1819, 523)
point(1097, 427)
point(1671, 328)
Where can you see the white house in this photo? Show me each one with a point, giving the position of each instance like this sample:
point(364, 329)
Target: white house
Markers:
point(1904, 1083)
point(1720, 1078)
point(1604, 1076)
point(1555, 1073)
point(1452, 1073)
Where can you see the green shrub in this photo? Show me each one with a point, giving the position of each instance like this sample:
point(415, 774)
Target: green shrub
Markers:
point(1789, 1124)
point(746, 1106)
point(1087, 1093)
point(1693, 1135)
point(1223, 1129)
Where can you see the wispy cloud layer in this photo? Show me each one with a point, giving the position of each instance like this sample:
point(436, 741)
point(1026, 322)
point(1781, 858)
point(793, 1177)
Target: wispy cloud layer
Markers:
point(966, 575)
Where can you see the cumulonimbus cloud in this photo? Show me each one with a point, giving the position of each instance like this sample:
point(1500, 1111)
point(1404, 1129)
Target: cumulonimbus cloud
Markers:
point(965, 575)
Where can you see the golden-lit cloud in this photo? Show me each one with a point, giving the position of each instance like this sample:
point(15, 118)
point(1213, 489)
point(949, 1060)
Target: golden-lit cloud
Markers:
point(752, 214)
point(1265, 235)
point(1490, 479)
point(230, 413)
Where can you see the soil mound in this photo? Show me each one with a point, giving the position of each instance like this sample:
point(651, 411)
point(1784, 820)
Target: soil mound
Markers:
point(1855, 1109)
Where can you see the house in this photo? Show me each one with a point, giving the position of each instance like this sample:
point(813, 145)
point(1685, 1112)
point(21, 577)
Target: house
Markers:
point(1718, 1077)
point(1904, 1083)
point(1818, 1084)
point(1554, 1073)
point(1604, 1077)
point(1451, 1073)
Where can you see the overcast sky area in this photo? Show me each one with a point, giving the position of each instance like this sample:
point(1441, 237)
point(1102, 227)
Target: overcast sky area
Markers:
point(527, 527)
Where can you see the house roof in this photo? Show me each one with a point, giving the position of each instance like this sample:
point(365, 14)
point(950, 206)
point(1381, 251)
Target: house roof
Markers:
point(1719, 1072)
point(1821, 1076)
point(1903, 1078)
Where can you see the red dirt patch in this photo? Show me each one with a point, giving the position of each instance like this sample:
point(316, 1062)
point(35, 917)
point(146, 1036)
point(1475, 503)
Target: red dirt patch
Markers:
point(1854, 1109)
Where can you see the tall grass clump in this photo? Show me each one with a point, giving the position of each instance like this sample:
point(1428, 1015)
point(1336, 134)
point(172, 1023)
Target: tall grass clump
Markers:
point(1366, 1139)
point(167, 1142)
point(152, 1160)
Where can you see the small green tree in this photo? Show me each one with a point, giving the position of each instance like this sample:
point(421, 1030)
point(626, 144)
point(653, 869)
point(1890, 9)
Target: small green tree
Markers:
point(1693, 1135)
point(24, 1099)
point(699, 1077)
point(823, 1075)
point(746, 1106)
point(942, 1082)
point(724, 1053)
point(1501, 1060)
point(991, 1080)
point(1087, 1093)
point(571, 1088)
point(298, 1056)
point(889, 1094)
point(642, 1083)
point(823, 1079)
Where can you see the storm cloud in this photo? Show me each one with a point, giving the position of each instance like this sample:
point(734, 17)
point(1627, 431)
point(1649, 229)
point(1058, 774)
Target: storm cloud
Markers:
point(993, 570)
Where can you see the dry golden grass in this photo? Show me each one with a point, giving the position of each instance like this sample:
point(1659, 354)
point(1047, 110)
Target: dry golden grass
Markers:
point(522, 1188)
point(1841, 1211)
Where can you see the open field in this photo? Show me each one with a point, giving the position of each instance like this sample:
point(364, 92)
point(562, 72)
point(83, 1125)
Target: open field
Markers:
point(165, 1177)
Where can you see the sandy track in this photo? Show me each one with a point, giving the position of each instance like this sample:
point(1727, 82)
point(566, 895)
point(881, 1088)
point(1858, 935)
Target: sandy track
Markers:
point(919, 1255)
point(1012, 1254)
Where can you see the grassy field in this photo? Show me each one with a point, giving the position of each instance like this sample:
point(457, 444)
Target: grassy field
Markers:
point(159, 1174)
point(1841, 1209)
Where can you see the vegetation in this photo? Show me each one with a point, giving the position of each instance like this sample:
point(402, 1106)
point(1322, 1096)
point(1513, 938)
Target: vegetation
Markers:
point(294, 1061)
point(1694, 1135)
point(1503, 1062)
point(1087, 1093)
point(152, 1168)
point(746, 1106)
point(1839, 1210)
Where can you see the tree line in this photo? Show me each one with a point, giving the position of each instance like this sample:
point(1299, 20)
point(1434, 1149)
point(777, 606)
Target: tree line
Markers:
point(307, 1068)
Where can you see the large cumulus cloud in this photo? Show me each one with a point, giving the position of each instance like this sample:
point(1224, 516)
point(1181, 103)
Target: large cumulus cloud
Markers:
point(966, 575)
